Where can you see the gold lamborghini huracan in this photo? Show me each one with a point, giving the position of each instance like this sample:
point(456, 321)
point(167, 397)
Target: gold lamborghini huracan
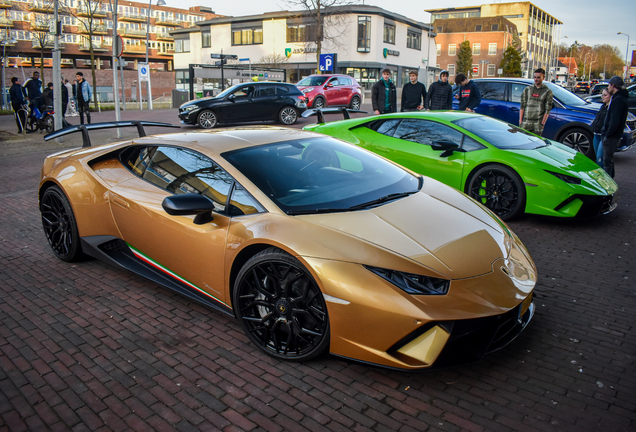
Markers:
point(313, 244)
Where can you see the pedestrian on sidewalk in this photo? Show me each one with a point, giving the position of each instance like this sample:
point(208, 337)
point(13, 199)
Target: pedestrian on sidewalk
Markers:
point(18, 103)
point(84, 93)
point(597, 127)
point(384, 94)
point(440, 94)
point(413, 94)
point(614, 122)
point(469, 96)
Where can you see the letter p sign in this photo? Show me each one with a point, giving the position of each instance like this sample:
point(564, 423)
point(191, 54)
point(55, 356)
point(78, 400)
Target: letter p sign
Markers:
point(326, 62)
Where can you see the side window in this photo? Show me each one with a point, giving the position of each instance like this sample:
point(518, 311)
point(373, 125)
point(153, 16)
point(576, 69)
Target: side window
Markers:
point(333, 82)
point(137, 159)
point(515, 94)
point(387, 127)
point(470, 144)
point(344, 81)
point(181, 171)
point(632, 93)
point(242, 203)
point(282, 90)
point(425, 132)
point(492, 90)
point(246, 91)
point(266, 90)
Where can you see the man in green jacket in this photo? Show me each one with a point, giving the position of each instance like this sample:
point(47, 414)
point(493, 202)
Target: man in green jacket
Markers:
point(536, 104)
point(384, 94)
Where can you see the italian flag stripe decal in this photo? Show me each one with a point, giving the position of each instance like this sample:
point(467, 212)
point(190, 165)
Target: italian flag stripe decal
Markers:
point(158, 266)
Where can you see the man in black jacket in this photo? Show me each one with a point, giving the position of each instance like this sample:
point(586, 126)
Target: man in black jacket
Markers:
point(614, 124)
point(384, 94)
point(33, 87)
point(16, 94)
point(413, 94)
point(440, 94)
point(469, 96)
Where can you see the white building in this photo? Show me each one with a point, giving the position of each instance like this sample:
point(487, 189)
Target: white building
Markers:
point(365, 39)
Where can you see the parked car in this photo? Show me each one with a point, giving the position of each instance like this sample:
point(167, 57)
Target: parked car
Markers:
point(314, 245)
point(562, 83)
point(501, 166)
point(581, 87)
point(331, 90)
point(570, 120)
point(593, 82)
point(631, 100)
point(598, 89)
point(246, 102)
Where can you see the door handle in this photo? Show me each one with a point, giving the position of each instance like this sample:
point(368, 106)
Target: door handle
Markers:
point(120, 202)
point(513, 109)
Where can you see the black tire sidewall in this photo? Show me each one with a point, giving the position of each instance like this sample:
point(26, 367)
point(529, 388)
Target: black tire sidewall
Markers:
point(76, 253)
point(521, 191)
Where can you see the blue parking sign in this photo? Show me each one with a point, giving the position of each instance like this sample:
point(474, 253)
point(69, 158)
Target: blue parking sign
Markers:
point(326, 62)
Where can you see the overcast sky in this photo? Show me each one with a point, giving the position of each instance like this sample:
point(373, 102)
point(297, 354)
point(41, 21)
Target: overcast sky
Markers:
point(592, 22)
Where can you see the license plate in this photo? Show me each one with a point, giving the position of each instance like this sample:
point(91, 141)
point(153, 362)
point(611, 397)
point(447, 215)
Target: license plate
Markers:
point(524, 306)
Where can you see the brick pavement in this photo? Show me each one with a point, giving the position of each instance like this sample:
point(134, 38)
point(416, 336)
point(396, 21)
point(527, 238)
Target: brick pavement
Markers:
point(89, 347)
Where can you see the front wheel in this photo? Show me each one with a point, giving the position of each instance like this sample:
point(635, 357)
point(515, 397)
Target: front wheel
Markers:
point(288, 115)
point(355, 103)
point(579, 139)
point(500, 189)
point(280, 307)
point(60, 227)
point(207, 119)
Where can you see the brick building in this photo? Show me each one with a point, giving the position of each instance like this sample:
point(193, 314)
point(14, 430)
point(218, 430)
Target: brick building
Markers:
point(26, 41)
point(488, 36)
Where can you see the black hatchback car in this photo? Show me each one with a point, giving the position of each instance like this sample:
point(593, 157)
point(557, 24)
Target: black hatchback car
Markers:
point(246, 102)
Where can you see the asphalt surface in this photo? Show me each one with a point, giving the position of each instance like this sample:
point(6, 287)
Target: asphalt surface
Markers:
point(86, 346)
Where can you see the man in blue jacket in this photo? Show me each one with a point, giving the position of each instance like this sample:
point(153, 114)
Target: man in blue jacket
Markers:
point(614, 124)
point(16, 94)
point(469, 96)
point(84, 94)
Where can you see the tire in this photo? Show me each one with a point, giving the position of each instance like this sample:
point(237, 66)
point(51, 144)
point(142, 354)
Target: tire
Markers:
point(49, 124)
point(60, 227)
point(207, 119)
point(579, 139)
point(288, 115)
point(500, 189)
point(280, 307)
point(31, 125)
point(356, 103)
point(319, 102)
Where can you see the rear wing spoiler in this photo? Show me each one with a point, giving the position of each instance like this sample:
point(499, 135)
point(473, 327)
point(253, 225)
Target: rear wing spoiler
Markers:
point(320, 111)
point(86, 141)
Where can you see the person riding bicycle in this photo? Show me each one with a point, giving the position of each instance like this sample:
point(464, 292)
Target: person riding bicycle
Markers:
point(33, 87)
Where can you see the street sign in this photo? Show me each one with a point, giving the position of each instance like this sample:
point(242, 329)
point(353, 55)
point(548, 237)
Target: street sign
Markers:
point(475, 69)
point(118, 48)
point(144, 72)
point(326, 62)
point(224, 56)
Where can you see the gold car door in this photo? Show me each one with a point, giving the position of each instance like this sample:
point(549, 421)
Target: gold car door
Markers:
point(193, 254)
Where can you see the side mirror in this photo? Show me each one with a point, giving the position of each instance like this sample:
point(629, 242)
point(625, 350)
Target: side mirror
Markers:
point(189, 204)
point(231, 97)
point(447, 147)
point(329, 85)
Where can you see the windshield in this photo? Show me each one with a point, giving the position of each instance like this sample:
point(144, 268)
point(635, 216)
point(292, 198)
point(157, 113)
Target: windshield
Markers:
point(313, 81)
point(322, 175)
point(501, 135)
point(564, 96)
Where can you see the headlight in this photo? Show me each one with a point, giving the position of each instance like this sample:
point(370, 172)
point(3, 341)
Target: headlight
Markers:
point(307, 90)
point(566, 178)
point(411, 283)
point(189, 108)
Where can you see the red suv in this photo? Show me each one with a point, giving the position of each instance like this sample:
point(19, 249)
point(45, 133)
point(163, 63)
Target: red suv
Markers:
point(331, 90)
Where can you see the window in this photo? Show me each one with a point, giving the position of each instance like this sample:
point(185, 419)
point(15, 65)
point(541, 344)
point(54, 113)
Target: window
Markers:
point(452, 49)
point(389, 33)
point(181, 45)
point(451, 70)
point(250, 33)
point(491, 70)
point(478, 27)
point(494, 27)
point(425, 132)
point(413, 40)
point(439, 49)
point(476, 49)
point(364, 34)
point(206, 39)
point(267, 90)
point(492, 49)
point(492, 90)
point(517, 89)
point(301, 33)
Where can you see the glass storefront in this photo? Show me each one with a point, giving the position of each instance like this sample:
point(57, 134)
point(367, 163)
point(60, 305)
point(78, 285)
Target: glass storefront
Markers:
point(366, 77)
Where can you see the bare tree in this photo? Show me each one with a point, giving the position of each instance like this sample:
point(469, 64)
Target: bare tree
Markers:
point(325, 17)
point(273, 59)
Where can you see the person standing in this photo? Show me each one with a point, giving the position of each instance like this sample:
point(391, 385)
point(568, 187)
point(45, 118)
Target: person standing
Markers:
point(84, 93)
point(384, 94)
point(69, 93)
point(597, 127)
point(440, 94)
point(413, 94)
point(469, 95)
point(536, 104)
point(33, 87)
point(47, 96)
point(18, 101)
point(64, 91)
point(614, 123)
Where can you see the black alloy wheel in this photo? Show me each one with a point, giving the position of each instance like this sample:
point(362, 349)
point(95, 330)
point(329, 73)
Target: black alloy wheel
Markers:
point(207, 119)
point(500, 189)
point(60, 227)
point(280, 307)
point(319, 102)
point(579, 139)
point(355, 103)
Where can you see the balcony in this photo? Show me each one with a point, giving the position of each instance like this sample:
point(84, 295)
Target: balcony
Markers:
point(171, 22)
point(165, 52)
point(97, 46)
point(40, 25)
point(133, 33)
point(8, 42)
point(45, 44)
point(83, 11)
point(164, 36)
point(5, 4)
point(135, 49)
point(129, 16)
point(41, 6)
point(6, 22)
point(98, 29)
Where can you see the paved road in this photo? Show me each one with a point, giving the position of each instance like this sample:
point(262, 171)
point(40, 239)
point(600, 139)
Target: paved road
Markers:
point(90, 347)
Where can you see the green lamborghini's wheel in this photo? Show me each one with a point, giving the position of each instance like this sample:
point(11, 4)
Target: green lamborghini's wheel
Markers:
point(500, 189)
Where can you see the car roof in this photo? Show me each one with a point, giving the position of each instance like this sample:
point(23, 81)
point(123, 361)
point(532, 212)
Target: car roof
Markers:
point(520, 80)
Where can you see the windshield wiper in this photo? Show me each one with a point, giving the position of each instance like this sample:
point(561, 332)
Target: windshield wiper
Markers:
point(316, 211)
point(386, 198)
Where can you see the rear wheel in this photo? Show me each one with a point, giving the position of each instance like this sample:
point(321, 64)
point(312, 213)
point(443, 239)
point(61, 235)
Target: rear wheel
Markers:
point(500, 189)
point(288, 115)
point(207, 119)
point(49, 124)
point(280, 307)
point(579, 139)
point(319, 102)
point(60, 226)
point(355, 103)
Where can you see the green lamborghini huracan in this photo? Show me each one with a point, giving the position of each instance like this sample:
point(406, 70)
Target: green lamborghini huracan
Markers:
point(506, 168)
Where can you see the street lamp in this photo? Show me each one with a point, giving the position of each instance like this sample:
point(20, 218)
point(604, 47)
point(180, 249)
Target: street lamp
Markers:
point(626, 51)
point(5, 41)
point(159, 3)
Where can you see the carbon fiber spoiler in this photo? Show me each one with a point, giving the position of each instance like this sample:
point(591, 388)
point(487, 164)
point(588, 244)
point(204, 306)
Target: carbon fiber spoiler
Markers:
point(106, 125)
point(321, 118)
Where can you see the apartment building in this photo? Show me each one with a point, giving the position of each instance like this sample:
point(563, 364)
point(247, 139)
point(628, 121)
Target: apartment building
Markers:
point(539, 31)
